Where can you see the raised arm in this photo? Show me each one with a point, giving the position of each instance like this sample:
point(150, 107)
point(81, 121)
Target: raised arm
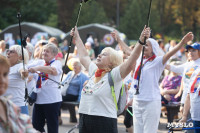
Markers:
point(123, 46)
point(128, 65)
point(188, 37)
point(176, 68)
point(83, 55)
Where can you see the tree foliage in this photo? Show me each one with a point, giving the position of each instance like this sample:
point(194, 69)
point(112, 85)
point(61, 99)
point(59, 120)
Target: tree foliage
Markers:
point(91, 12)
point(135, 18)
point(168, 17)
point(32, 11)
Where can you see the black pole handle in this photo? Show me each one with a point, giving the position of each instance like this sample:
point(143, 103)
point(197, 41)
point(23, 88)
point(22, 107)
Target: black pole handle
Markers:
point(20, 33)
point(70, 44)
point(141, 63)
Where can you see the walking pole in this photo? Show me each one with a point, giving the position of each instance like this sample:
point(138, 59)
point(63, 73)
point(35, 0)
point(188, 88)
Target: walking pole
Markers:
point(49, 78)
point(129, 112)
point(148, 18)
point(23, 44)
point(70, 44)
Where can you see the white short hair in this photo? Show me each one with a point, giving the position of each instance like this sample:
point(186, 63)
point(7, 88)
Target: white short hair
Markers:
point(53, 48)
point(30, 48)
point(116, 57)
point(18, 50)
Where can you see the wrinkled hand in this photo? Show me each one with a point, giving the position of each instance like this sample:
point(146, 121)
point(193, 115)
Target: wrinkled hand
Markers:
point(30, 78)
point(145, 33)
point(24, 74)
point(167, 67)
point(183, 119)
point(167, 97)
point(129, 104)
point(177, 95)
point(75, 34)
point(188, 37)
point(115, 35)
point(32, 70)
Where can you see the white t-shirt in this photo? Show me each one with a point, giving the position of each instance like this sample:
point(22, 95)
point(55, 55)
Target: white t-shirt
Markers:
point(195, 97)
point(97, 99)
point(31, 85)
point(167, 47)
point(36, 62)
point(16, 85)
point(187, 74)
point(50, 93)
point(127, 83)
point(161, 52)
point(150, 74)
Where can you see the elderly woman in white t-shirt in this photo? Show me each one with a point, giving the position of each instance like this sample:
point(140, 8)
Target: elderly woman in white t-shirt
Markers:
point(97, 107)
point(147, 104)
point(16, 86)
point(49, 97)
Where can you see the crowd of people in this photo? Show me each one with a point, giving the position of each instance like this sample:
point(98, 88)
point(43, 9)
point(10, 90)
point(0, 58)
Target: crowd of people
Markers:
point(165, 78)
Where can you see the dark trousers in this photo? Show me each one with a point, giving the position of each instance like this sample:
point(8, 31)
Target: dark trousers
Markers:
point(97, 124)
point(196, 124)
point(164, 101)
point(49, 112)
point(128, 119)
point(69, 98)
point(71, 108)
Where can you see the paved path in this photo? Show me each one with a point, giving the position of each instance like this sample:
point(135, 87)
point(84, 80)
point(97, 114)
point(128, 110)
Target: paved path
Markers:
point(66, 126)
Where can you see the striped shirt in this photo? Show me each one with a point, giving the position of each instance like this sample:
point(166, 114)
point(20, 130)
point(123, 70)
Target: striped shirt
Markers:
point(16, 122)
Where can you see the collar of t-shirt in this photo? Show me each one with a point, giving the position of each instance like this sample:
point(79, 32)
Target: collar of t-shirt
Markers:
point(49, 63)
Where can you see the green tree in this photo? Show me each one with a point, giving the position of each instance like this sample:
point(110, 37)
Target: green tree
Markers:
point(65, 9)
point(186, 15)
point(31, 11)
point(52, 20)
point(92, 12)
point(110, 7)
point(135, 18)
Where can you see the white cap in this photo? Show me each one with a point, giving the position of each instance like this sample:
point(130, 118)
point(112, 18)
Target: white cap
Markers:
point(155, 46)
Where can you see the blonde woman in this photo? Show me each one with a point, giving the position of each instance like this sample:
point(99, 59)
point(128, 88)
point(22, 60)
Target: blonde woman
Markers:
point(97, 107)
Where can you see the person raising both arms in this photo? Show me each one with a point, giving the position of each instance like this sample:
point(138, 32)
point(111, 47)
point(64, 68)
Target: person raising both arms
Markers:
point(147, 104)
point(97, 107)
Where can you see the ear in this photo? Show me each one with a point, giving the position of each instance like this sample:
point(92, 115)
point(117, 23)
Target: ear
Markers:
point(110, 65)
point(199, 53)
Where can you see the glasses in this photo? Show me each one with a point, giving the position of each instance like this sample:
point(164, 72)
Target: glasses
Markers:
point(10, 51)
